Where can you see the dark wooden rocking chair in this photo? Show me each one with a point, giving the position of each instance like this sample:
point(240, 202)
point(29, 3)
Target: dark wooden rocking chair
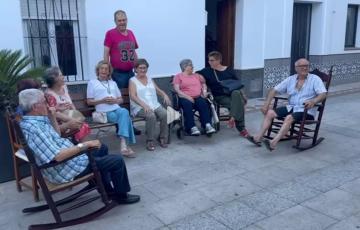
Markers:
point(304, 129)
point(93, 179)
point(20, 160)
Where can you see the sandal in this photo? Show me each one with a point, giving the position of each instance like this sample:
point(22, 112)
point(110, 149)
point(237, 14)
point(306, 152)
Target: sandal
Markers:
point(162, 142)
point(252, 140)
point(150, 145)
point(128, 153)
point(268, 145)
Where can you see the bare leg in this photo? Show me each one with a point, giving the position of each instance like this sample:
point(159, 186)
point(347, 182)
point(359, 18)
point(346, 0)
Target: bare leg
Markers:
point(270, 115)
point(283, 130)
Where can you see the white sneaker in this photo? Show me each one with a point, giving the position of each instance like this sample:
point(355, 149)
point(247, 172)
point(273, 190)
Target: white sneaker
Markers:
point(195, 131)
point(209, 129)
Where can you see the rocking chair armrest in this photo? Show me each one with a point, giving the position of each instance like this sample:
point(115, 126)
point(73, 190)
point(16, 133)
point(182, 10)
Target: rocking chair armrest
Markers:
point(279, 98)
point(54, 163)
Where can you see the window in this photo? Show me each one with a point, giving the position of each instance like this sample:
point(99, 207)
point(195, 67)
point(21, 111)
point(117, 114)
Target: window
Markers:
point(53, 36)
point(351, 26)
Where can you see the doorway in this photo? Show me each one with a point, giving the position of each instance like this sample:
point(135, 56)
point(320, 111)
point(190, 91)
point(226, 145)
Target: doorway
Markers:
point(300, 41)
point(220, 29)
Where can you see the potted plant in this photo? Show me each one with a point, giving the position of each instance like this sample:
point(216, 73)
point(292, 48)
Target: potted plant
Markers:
point(13, 67)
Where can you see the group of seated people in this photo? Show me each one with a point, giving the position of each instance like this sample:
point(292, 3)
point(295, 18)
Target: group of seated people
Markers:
point(44, 119)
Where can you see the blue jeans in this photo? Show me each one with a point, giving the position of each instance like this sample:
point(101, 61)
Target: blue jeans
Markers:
point(200, 105)
point(125, 127)
point(122, 78)
point(112, 169)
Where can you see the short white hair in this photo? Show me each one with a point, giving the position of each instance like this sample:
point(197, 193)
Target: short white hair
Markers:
point(29, 97)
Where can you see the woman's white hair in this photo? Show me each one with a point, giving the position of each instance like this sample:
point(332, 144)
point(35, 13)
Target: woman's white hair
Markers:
point(29, 97)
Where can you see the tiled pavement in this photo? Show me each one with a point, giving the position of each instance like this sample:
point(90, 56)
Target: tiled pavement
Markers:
point(224, 182)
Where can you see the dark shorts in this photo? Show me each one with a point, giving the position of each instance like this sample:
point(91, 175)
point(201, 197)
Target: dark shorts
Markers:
point(282, 112)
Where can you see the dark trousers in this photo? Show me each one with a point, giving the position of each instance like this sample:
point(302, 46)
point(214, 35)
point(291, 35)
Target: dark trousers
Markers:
point(112, 169)
point(122, 78)
point(188, 108)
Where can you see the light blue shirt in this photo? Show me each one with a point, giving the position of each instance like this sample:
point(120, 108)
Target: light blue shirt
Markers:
point(312, 87)
point(46, 143)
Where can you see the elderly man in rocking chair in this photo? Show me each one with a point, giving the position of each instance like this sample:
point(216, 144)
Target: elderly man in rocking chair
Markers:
point(48, 146)
point(304, 90)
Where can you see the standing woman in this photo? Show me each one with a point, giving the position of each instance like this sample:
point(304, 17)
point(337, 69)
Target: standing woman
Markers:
point(104, 94)
point(144, 103)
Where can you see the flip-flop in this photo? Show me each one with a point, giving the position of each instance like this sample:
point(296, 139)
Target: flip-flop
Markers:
point(252, 140)
point(127, 153)
point(268, 145)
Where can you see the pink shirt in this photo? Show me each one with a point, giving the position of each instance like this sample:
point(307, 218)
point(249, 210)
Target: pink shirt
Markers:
point(122, 49)
point(189, 84)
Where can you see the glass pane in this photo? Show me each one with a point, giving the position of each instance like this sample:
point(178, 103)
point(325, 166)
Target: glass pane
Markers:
point(351, 23)
point(65, 46)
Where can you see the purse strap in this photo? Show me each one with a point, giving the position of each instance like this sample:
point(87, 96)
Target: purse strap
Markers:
point(216, 76)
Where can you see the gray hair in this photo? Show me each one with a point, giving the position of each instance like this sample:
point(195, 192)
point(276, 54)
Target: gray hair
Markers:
point(119, 12)
point(185, 63)
point(29, 97)
point(50, 75)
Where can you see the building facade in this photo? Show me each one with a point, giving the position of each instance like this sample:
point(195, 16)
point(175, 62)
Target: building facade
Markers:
point(261, 39)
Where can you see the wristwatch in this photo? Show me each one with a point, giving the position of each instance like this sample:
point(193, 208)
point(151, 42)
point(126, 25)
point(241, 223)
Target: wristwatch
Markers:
point(81, 146)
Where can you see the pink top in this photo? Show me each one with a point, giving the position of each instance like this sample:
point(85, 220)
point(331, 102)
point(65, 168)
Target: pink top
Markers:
point(189, 84)
point(122, 49)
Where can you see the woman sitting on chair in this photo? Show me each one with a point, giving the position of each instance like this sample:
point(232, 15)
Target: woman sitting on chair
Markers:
point(144, 103)
point(191, 89)
point(104, 94)
point(57, 96)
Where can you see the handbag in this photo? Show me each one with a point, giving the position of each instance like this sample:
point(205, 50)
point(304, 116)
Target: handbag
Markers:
point(99, 117)
point(74, 114)
point(83, 132)
point(229, 85)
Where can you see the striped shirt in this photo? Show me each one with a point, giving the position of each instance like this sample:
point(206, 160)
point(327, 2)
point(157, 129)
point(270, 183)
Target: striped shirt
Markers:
point(312, 87)
point(46, 143)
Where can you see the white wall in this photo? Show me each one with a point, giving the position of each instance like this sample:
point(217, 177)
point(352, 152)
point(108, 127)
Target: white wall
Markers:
point(166, 31)
point(263, 31)
point(11, 26)
point(249, 34)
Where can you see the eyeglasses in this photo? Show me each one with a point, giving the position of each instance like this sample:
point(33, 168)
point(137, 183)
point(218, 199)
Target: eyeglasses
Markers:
point(212, 60)
point(141, 67)
point(303, 66)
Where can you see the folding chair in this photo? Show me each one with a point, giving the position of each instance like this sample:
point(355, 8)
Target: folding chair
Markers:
point(304, 129)
point(93, 179)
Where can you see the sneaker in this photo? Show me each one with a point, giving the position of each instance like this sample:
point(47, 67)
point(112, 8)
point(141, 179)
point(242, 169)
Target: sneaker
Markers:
point(209, 129)
point(244, 133)
point(195, 131)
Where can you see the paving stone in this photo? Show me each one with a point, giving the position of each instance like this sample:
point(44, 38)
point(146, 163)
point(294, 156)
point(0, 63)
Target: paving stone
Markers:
point(352, 187)
point(252, 227)
point(228, 189)
point(335, 203)
point(267, 202)
point(167, 186)
point(196, 222)
point(353, 222)
point(269, 175)
point(174, 208)
point(296, 218)
point(295, 192)
point(236, 215)
point(302, 164)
